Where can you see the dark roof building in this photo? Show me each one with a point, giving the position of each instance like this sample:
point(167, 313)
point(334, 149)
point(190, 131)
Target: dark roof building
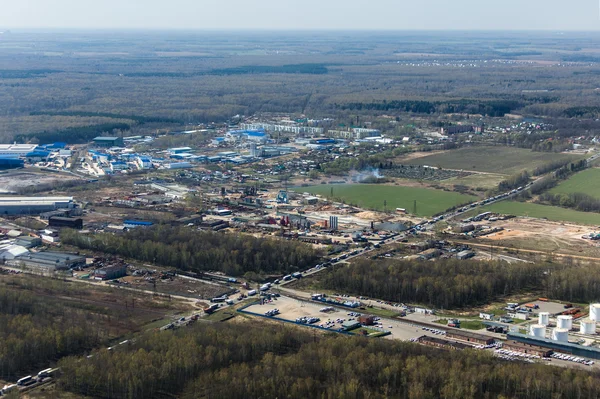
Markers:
point(108, 141)
point(441, 343)
point(111, 272)
point(469, 337)
point(59, 221)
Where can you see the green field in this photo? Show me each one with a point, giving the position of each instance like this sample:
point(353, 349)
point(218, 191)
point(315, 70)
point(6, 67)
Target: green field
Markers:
point(542, 211)
point(587, 181)
point(372, 196)
point(504, 160)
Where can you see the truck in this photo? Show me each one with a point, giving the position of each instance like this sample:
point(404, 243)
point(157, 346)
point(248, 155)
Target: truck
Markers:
point(219, 299)
point(25, 380)
point(8, 388)
point(251, 292)
point(211, 308)
point(43, 374)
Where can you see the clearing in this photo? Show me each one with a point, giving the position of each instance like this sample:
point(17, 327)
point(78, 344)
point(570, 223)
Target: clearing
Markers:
point(372, 196)
point(503, 160)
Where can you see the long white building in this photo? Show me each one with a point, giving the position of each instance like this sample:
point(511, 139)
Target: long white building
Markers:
point(17, 150)
point(12, 205)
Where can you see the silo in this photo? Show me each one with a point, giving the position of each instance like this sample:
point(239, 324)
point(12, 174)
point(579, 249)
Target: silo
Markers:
point(565, 322)
point(595, 311)
point(587, 326)
point(560, 334)
point(544, 318)
point(537, 330)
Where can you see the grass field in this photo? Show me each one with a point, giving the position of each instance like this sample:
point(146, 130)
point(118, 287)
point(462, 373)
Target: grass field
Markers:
point(372, 196)
point(543, 211)
point(587, 181)
point(503, 160)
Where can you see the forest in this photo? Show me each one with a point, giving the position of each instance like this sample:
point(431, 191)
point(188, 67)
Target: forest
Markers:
point(489, 108)
point(42, 320)
point(452, 283)
point(194, 77)
point(197, 251)
point(269, 361)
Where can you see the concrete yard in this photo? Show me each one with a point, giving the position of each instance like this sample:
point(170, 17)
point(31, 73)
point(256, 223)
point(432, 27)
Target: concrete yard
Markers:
point(292, 308)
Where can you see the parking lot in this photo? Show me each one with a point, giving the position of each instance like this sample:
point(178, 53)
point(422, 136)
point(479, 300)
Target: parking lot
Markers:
point(291, 309)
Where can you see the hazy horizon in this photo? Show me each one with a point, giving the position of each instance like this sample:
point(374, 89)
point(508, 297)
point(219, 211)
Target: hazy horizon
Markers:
point(309, 15)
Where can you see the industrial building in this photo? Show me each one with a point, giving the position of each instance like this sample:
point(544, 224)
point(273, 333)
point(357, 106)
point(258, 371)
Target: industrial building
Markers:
point(11, 163)
point(527, 348)
point(110, 272)
point(106, 141)
point(131, 224)
point(17, 150)
point(47, 262)
point(59, 221)
point(557, 346)
point(441, 343)
point(470, 337)
point(10, 205)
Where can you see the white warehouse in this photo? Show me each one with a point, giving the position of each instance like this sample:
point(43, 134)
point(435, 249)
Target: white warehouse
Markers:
point(11, 205)
point(17, 150)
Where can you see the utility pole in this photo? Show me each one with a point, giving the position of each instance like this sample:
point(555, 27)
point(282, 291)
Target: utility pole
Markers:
point(414, 207)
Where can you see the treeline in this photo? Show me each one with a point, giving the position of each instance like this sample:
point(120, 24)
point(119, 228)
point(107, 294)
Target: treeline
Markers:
point(73, 135)
point(192, 250)
point(494, 108)
point(547, 182)
point(446, 283)
point(312, 69)
point(549, 167)
point(252, 361)
point(25, 73)
point(582, 112)
point(578, 201)
point(513, 182)
point(450, 283)
point(137, 118)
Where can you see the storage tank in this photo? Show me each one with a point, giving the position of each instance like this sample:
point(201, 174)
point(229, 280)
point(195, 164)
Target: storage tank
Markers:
point(537, 330)
point(565, 322)
point(560, 334)
point(544, 318)
point(587, 326)
point(595, 311)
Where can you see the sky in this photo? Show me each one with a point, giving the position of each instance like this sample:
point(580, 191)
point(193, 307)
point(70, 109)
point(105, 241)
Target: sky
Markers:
point(556, 15)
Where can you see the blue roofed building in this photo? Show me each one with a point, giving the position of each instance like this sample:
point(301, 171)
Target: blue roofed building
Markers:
point(132, 224)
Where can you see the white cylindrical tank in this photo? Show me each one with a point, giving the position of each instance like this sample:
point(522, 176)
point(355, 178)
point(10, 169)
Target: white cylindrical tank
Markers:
point(587, 326)
point(565, 322)
point(537, 330)
point(595, 311)
point(544, 318)
point(560, 334)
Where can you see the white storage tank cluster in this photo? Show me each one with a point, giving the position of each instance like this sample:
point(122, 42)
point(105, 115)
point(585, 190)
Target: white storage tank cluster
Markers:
point(544, 318)
point(595, 311)
point(560, 334)
point(564, 322)
point(537, 330)
point(587, 326)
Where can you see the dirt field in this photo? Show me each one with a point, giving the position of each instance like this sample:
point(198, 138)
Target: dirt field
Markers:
point(177, 286)
point(13, 181)
point(543, 235)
